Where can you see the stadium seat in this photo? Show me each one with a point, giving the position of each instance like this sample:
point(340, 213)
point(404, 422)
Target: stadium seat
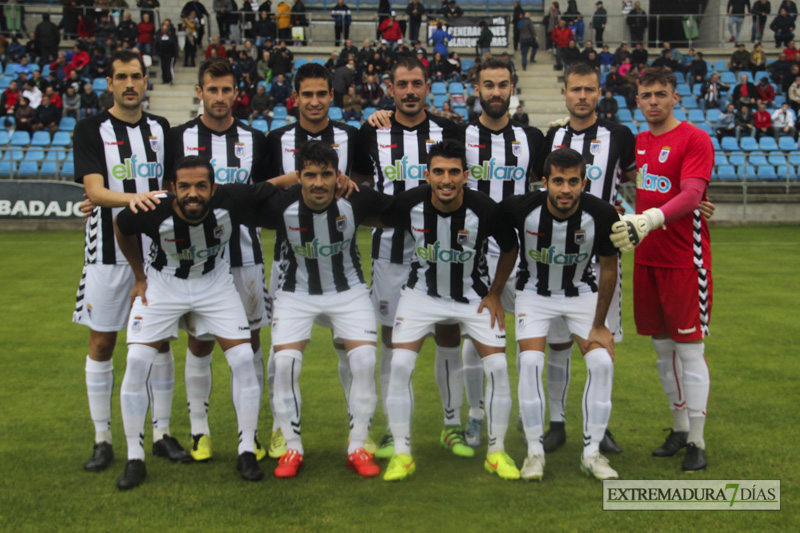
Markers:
point(794, 159)
point(761, 74)
point(368, 111)
point(768, 144)
point(70, 156)
point(261, 125)
point(748, 144)
point(720, 65)
point(680, 77)
point(638, 116)
point(56, 155)
point(679, 114)
point(746, 172)
point(779, 100)
point(354, 123)
point(6, 168)
point(712, 115)
point(277, 123)
point(4, 83)
point(745, 73)
point(11, 69)
point(621, 101)
point(20, 138)
point(41, 138)
point(335, 113)
point(728, 78)
point(4, 138)
point(758, 160)
point(783, 172)
point(61, 138)
point(776, 158)
point(706, 127)
point(68, 169)
point(438, 87)
point(49, 169)
point(439, 100)
point(67, 124)
point(467, 64)
point(726, 172)
point(737, 159)
point(318, 61)
point(696, 116)
point(730, 144)
point(786, 144)
point(456, 87)
point(99, 85)
point(715, 143)
point(624, 115)
point(720, 159)
point(279, 112)
point(696, 89)
point(689, 102)
point(765, 173)
point(683, 89)
point(34, 154)
point(632, 126)
point(299, 62)
point(28, 169)
point(46, 71)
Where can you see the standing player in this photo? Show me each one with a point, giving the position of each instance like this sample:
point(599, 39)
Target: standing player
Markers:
point(320, 276)
point(561, 229)
point(448, 282)
point(503, 157)
point(188, 276)
point(236, 152)
point(397, 162)
point(313, 92)
point(119, 157)
point(672, 286)
point(607, 149)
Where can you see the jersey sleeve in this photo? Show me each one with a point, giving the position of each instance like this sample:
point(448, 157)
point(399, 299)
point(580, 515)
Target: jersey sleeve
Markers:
point(627, 144)
point(606, 216)
point(501, 228)
point(397, 216)
point(261, 161)
point(368, 203)
point(698, 160)
point(536, 145)
point(252, 204)
point(88, 153)
point(273, 160)
point(172, 152)
point(146, 222)
point(362, 163)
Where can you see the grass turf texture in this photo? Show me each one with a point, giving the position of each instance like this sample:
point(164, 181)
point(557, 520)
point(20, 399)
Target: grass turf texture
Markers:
point(47, 434)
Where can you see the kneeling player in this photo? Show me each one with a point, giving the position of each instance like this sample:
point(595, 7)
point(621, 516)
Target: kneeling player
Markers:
point(321, 278)
point(561, 229)
point(188, 276)
point(449, 283)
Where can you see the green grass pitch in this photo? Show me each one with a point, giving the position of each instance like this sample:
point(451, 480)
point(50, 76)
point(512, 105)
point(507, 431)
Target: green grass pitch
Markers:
point(46, 434)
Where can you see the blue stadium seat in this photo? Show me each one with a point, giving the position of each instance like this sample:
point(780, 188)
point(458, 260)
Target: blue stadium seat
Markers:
point(680, 77)
point(631, 126)
point(746, 171)
point(335, 113)
point(726, 172)
point(638, 116)
point(439, 100)
point(61, 138)
point(737, 159)
point(786, 144)
point(99, 85)
point(467, 64)
point(261, 125)
point(776, 158)
point(68, 169)
point(644, 126)
point(11, 69)
point(679, 114)
point(4, 138)
point(720, 65)
point(715, 143)
point(461, 110)
point(299, 62)
point(744, 73)
point(748, 144)
point(438, 87)
point(49, 169)
point(697, 116)
point(779, 100)
point(67, 124)
point(41, 138)
point(620, 101)
point(794, 159)
point(70, 156)
point(730, 144)
point(761, 74)
point(318, 61)
point(34, 154)
point(56, 155)
point(20, 138)
point(28, 169)
point(277, 123)
point(356, 124)
point(368, 111)
point(728, 78)
point(768, 144)
point(46, 71)
point(712, 115)
point(697, 89)
point(784, 171)
point(706, 127)
point(758, 160)
point(689, 102)
point(6, 167)
point(456, 87)
point(683, 89)
point(279, 112)
point(766, 173)
point(4, 83)
point(720, 159)
point(624, 115)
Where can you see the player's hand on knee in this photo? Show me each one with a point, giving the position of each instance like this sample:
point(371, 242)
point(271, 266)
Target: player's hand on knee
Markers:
point(87, 207)
point(139, 289)
point(381, 119)
point(494, 305)
point(601, 337)
point(145, 200)
point(707, 209)
point(629, 231)
point(345, 186)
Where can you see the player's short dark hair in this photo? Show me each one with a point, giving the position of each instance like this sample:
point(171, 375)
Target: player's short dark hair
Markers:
point(216, 67)
point(125, 56)
point(581, 68)
point(564, 158)
point(409, 63)
point(312, 71)
point(449, 149)
point(491, 63)
point(316, 152)
point(192, 161)
point(651, 75)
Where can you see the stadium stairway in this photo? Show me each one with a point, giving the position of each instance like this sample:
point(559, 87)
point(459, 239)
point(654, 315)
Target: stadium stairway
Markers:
point(177, 103)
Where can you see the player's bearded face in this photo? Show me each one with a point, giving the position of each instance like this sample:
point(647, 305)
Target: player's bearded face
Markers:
point(581, 95)
point(409, 89)
point(564, 187)
point(193, 191)
point(318, 182)
point(494, 92)
point(217, 95)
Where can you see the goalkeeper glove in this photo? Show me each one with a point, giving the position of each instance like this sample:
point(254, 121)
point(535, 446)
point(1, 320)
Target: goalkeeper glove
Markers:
point(631, 229)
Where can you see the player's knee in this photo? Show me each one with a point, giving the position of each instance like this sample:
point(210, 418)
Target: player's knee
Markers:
point(200, 348)
point(560, 346)
point(362, 361)
point(101, 345)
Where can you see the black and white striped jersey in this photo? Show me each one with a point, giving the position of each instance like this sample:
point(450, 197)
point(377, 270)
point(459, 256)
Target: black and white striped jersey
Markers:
point(318, 250)
point(130, 157)
point(503, 162)
point(188, 250)
point(237, 155)
point(450, 248)
point(608, 149)
point(397, 159)
point(556, 255)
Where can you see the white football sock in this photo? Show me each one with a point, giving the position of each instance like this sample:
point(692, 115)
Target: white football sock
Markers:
point(197, 375)
point(498, 400)
point(271, 387)
point(596, 398)
point(531, 402)
point(696, 382)
point(362, 399)
point(240, 359)
point(558, 370)
point(160, 386)
point(345, 376)
point(670, 371)
point(133, 397)
point(400, 399)
point(286, 399)
point(473, 378)
point(450, 378)
point(258, 361)
point(384, 371)
point(99, 388)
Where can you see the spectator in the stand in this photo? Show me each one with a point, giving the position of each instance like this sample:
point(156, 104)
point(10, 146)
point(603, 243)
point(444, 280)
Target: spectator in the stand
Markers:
point(190, 26)
point(128, 30)
point(72, 103)
point(342, 79)
point(758, 59)
point(86, 25)
point(744, 93)
point(264, 28)
point(234, 19)
point(794, 95)
point(401, 51)
point(222, 8)
point(552, 19)
point(201, 13)
point(453, 10)
point(439, 40)
point(259, 103)
point(791, 51)
point(75, 82)
point(561, 37)
point(446, 112)
point(46, 116)
point(32, 93)
point(415, 12)
point(783, 122)
point(744, 122)
point(104, 28)
point(418, 47)
point(625, 67)
point(571, 12)
point(599, 19)
point(765, 93)
point(279, 91)
point(639, 56)
point(149, 7)
point(31, 51)
point(391, 30)
point(282, 60)
point(484, 43)
point(53, 93)
point(621, 53)
point(80, 59)
point(106, 100)
point(244, 65)
point(332, 61)
point(762, 121)
point(98, 66)
point(146, 33)
point(299, 20)
point(637, 23)
point(47, 39)
point(23, 115)
point(90, 103)
point(11, 98)
point(578, 28)
point(352, 108)
point(740, 59)
point(422, 59)
point(527, 40)
point(783, 28)
point(167, 48)
point(348, 49)
point(759, 9)
point(38, 80)
point(667, 62)
point(241, 105)
point(371, 92)
point(69, 18)
point(726, 123)
point(573, 54)
point(616, 83)
point(25, 67)
point(606, 59)
point(779, 70)
point(520, 116)
point(217, 47)
point(608, 107)
point(263, 70)
point(697, 71)
point(341, 21)
point(711, 92)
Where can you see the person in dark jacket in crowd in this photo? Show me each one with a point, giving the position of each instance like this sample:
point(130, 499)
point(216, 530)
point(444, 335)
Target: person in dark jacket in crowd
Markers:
point(167, 46)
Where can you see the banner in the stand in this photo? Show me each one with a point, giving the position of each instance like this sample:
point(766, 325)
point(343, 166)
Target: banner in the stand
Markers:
point(38, 199)
point(465, 30)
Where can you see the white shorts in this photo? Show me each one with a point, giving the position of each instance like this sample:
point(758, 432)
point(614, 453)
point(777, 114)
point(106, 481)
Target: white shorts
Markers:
point(388, 279)
point(104, 297)
point(509, 291)
point(274, 275)
point(210, 304)
point(535, 313)
point(252, 287)
point(349, 313)
point(559, 332)
point(418, 314)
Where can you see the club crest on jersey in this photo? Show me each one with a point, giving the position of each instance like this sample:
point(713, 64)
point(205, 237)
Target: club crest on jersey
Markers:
point(516, 148)
point(462, 237)
point(341, 223)
point(154, 144)
point(136, 326)
point(428, 145)
point(580, 237)
point(238, 150)
point(219, 231)
point(521, 320)
point(89, 310)
point(384, 307)
point(594, 147)
point(398, 322)
point(335, 149)
point(664, 154)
